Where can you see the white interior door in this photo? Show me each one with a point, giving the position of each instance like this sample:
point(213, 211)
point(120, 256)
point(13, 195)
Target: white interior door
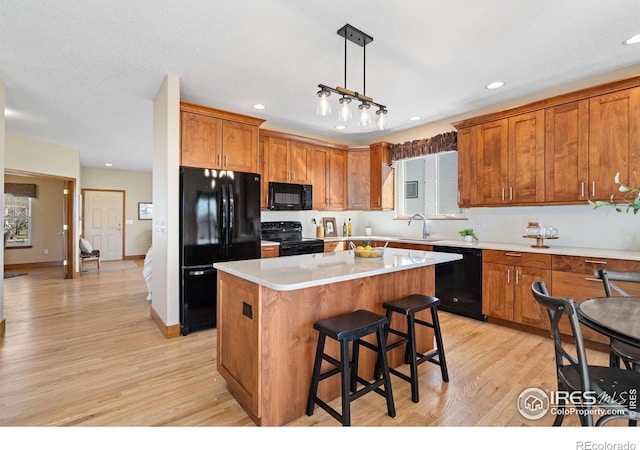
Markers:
point(103, 218)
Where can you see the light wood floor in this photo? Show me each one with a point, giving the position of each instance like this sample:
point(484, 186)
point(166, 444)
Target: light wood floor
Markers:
point(86, 352)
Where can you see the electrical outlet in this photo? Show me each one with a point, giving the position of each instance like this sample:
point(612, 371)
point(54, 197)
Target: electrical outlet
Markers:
point(46, 251)
point(479, 223)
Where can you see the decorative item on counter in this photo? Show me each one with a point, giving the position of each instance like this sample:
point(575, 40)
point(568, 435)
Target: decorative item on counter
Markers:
point(368, 231)
point(330, 228)
point(468, 234)
point(533, 227)
point(319, 229)
point(344, 228)
point(349, 229)
point(542, 234)
point(366, 250)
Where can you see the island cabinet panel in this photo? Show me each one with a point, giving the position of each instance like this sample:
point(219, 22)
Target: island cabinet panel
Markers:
point(282, 352)
point(238, 340)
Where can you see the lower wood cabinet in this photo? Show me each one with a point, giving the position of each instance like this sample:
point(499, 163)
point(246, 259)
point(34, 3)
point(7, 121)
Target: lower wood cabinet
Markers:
point(506, 285)
point(573, 277)
point(270, 251)
point(335, 246)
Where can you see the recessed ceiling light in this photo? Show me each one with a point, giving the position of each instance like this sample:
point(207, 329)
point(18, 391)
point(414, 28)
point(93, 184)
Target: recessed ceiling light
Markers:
point(259, 106)
point(632, 40)
point(414, 118)
point(495, 85)
point(108, 164)
point(340, 127)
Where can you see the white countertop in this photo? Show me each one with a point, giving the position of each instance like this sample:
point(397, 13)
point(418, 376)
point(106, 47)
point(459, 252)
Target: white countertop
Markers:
point(289, 273)
point(554, 247)
point(267, 243)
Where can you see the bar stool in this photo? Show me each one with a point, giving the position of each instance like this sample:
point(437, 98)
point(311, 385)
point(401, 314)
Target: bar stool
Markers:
point(347, 328)
point(409, 306)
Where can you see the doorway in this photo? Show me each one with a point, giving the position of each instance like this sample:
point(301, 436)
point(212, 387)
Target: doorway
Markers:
point(102, 222)
point(67, 228)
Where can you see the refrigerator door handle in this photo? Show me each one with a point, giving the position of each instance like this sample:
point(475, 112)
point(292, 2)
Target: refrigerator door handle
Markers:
point(224, 215)
point(231, 215)
point(200, 272)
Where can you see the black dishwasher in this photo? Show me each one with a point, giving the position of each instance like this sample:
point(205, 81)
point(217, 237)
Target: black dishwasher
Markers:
point(459, 283)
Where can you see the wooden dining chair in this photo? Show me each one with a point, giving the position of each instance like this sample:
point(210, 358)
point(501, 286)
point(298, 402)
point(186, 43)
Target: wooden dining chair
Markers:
point(576, 377)
point(629, 354)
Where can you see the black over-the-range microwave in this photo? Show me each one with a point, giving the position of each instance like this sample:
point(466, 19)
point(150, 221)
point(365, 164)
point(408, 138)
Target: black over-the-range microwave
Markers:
point(289, 196)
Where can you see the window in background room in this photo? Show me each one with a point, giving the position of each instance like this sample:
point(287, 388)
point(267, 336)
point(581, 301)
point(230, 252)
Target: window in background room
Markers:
point(17, 218)
point(428, 185)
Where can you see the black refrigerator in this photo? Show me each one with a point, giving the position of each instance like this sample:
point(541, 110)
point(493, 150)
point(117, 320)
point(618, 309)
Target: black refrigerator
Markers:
point(219, 221)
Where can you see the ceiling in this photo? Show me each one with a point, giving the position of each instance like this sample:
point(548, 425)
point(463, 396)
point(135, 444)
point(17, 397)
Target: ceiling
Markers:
point(84, 74)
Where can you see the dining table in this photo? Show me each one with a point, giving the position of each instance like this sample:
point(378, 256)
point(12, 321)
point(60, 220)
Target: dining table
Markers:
point(615, 317)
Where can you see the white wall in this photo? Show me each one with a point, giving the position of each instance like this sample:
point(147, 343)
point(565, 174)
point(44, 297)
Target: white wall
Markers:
point(138, 188)
point(2, 162)
point(166, 218)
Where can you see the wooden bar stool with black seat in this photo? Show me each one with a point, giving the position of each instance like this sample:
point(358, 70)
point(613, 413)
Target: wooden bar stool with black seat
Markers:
point(409, 306)
point(350, 327)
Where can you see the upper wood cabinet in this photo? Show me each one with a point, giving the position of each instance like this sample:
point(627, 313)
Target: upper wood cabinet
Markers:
point(561, 150)
point(288, 161)
point(359, 175)
point(216, 139)
point(567, 152)
point(319, 158)
point(614, 142)
point(381, 178)
point(337, 180)
point(467, 174)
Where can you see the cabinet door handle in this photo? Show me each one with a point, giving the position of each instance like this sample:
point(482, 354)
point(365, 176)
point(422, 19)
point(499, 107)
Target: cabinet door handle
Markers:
point(593, 188)
point(592, 279)
point(508, 276)
point(593, 261)
point(379, 201)
point(226, 160)
point(510, 194)
point(517, 276)
point(582, 189)
point(513, 254)
point(502, 194)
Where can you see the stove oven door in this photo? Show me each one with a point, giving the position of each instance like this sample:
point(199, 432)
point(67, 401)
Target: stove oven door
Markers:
point(300, 248)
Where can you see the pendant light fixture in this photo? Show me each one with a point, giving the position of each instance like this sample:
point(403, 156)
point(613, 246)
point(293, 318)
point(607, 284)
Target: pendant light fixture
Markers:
point(346, 96)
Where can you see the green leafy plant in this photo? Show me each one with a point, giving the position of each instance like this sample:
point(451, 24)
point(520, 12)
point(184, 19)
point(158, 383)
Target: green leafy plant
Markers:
point(630, 200)
point(468, 232)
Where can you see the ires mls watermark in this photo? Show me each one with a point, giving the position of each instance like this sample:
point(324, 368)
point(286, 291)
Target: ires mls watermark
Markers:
point(534, 403)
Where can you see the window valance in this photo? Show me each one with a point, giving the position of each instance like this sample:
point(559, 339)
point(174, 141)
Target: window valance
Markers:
point(21, 190)
point(441, 143)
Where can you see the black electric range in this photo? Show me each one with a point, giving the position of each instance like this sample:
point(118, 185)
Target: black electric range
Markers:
point(289, 235)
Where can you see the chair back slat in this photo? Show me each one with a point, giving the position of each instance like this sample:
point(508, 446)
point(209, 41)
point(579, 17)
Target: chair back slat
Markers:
point(609, 276)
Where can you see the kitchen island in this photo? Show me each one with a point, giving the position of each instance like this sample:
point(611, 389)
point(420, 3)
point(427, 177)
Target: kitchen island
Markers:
point(266, 311)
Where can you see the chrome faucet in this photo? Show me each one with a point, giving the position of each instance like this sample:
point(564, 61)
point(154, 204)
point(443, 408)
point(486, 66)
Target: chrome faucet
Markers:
point(424, 224)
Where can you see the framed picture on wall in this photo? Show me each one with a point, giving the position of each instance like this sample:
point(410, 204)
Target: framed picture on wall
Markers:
point(410, 189)
point(145, 211)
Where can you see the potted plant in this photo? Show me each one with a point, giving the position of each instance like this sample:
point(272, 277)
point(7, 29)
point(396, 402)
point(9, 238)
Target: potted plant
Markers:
point(468, 234)
point(630, 199)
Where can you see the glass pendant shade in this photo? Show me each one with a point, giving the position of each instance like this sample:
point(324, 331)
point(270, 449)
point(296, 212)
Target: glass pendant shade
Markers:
point(345, 109)
point(382, 119)
point(365, 115)
point(324, 107)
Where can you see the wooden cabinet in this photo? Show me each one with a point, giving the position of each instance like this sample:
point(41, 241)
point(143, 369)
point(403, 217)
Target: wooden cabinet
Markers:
point(614, 142)
point(269, 251)
point(381, 178)
point(567, 152)
point(359, 173)
point(506, 285)
point(320, 177)
point(467, 174)
point(263, 143)
point(337, 179)
point(288, 161)
point(217, 139)
point(510, 160)
point(573, 276)
point(561, 150)
point(335, 246)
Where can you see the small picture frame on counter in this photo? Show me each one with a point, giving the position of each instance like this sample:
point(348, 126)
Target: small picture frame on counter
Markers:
point(330, 228)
